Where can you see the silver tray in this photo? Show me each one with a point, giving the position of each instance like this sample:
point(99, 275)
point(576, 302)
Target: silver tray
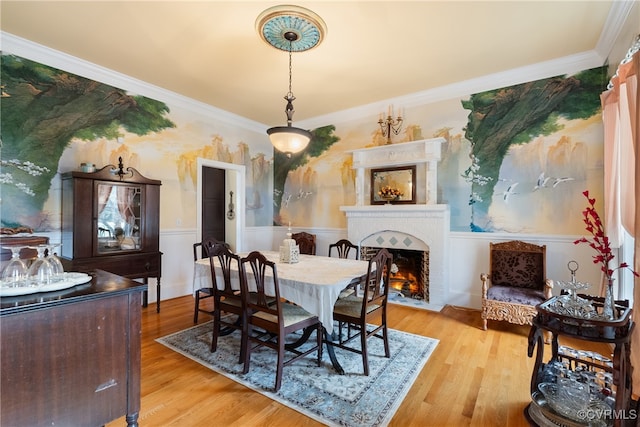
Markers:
point(70, 279)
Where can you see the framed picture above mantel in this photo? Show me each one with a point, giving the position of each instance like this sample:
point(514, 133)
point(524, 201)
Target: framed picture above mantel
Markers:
point(396, 185)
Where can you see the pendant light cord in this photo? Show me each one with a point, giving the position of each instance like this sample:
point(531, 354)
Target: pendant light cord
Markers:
point(290, 69)
point(289, 97)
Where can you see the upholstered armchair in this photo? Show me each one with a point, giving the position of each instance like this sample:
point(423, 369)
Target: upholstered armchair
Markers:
point(516, 282)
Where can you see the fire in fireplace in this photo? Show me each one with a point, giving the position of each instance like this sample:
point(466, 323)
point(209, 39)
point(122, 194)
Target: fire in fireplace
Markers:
point(409, 272)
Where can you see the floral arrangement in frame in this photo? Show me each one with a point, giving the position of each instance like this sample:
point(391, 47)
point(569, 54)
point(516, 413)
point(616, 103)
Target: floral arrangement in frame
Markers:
point(396, 185)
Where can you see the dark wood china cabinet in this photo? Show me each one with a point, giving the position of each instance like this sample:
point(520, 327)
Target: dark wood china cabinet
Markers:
point(111, 221)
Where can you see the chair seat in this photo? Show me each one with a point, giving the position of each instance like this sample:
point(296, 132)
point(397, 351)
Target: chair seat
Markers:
point(510, 294)
point(291, 314)
point(237, 302)
point(347, 293)
point(352, 306)
point(231, 301)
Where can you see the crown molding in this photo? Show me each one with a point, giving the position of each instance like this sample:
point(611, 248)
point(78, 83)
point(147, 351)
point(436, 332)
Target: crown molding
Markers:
point(618, 15)
point(562, 66)
point(27, 49)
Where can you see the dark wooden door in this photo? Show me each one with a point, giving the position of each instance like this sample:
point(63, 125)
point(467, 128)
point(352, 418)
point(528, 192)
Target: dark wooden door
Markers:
point(213, 206)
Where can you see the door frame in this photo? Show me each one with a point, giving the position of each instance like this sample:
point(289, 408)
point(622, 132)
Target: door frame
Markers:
point(234, 181)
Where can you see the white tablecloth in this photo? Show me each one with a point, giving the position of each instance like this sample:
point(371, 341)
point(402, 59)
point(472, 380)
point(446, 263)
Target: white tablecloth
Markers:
point(315, 282)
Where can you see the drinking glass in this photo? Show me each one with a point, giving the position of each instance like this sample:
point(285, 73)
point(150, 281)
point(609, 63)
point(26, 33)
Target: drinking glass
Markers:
point(41, 271)
point(56, 264)
point(16, 270)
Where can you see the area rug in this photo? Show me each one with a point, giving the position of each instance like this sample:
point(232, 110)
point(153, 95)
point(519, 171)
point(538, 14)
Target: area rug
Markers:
point(352, 399)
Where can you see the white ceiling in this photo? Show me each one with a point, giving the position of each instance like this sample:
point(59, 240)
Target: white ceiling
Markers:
point(373, 51)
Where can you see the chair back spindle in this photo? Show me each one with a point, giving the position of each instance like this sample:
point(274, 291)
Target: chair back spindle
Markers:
point(260, 265)
point(343, 247)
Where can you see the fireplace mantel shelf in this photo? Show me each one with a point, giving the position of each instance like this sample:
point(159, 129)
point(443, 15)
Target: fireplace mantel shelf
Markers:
point(384, 210)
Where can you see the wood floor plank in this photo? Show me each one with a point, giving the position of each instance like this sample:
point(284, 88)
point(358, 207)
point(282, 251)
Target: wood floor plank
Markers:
point(473, 378)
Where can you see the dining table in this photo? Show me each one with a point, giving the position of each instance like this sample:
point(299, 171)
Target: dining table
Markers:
point(314, 283)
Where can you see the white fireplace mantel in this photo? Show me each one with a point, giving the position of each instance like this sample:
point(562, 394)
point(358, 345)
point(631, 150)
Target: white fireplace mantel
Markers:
point(420, 226)
point(424, 152)
point(412, 227)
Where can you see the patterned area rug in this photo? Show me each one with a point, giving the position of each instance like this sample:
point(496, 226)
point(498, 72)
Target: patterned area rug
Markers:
point(319, 392)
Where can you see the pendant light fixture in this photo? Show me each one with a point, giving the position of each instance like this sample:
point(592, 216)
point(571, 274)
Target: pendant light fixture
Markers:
point(292, 29)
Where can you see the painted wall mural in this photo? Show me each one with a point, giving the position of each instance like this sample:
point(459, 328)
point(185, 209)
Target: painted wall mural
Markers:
point(52, 121)
point(300, 188)
point(42, 110)
point(516, 159)
point(508, 122)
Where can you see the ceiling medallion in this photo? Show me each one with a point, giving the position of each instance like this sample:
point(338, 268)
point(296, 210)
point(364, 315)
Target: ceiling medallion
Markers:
point(274, 23)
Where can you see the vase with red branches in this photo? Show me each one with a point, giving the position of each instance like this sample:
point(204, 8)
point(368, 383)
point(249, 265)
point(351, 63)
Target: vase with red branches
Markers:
point(604, 255)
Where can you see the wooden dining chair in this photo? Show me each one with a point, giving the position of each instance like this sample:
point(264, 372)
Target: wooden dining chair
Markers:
point(206, 292)
point(342, 248)
point(306, 242)
point(226, 298)
point(274, 320)
point(366, 313)
point(200, 293)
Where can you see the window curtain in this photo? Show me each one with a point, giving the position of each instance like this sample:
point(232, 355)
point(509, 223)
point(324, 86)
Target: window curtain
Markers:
point(621, 117)
point(104, 191)
point(125, 201)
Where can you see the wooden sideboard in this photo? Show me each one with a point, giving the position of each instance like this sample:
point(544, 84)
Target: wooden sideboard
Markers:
point(72, 357)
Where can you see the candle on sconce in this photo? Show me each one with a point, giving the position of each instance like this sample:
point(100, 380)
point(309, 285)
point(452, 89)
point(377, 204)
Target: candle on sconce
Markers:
point(390, 125)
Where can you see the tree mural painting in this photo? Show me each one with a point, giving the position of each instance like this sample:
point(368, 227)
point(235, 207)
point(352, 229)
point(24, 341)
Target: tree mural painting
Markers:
point(322, 138)
point(516, 115)
point(42, 110)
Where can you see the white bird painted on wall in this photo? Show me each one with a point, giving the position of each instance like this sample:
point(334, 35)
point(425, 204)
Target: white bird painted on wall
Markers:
point(509, 192)
point(542, 182)
point(559, 180)
point(304, 194)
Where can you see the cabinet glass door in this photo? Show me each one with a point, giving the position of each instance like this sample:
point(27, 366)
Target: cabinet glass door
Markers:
point(119, 217)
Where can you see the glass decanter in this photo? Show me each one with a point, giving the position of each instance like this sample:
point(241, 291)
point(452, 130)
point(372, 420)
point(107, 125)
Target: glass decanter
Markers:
point(41, 271)
point(16, 270)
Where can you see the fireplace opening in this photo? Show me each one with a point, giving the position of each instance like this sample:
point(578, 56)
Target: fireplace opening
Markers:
point(409, 272)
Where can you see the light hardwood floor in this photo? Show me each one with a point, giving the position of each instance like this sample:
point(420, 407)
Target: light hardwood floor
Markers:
point(474, 377)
